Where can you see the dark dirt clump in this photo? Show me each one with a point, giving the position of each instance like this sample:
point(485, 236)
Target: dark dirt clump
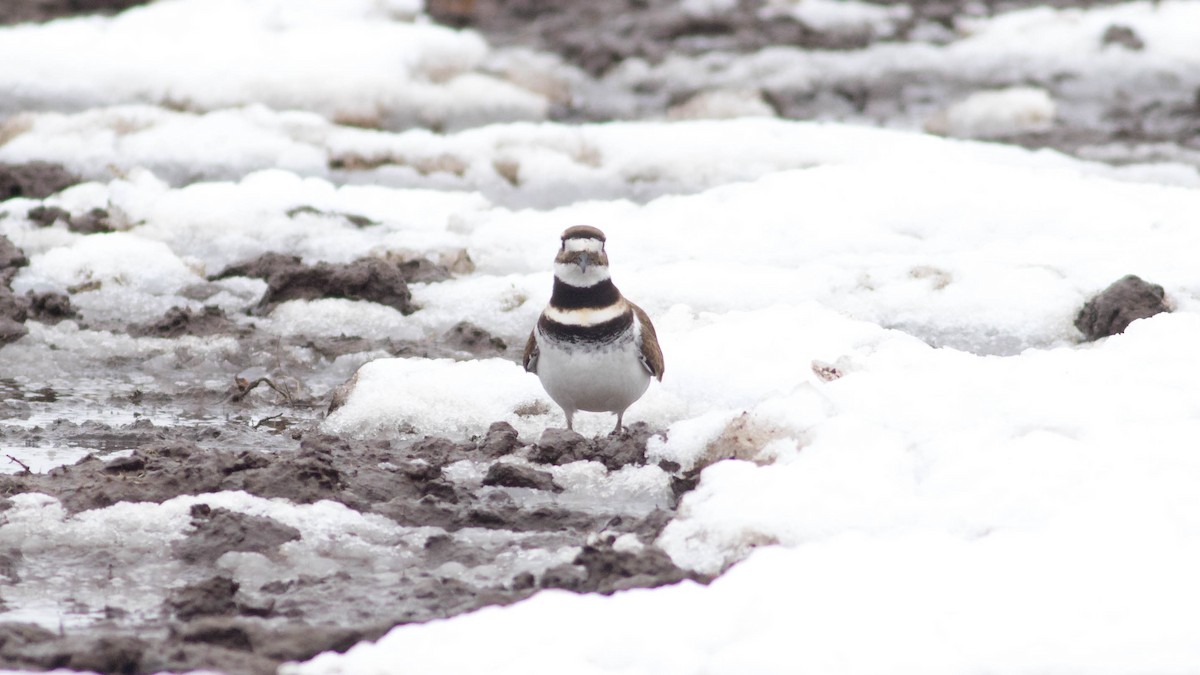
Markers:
point(13, 309)
point(506, 474)
point(501, 439)
point(288, 278)
point(50, 307)
point(12, 259)
point(221, 530)
point(560, 446)
point(599, 568)
point(95, 221)
point(184, 321)
point(467, 337)
point(1123, 36)
point(1112, 310)
point(423, 271)
point(263, 267)
point(211, 597)
point(35, 180)
point(12, 318)
point(45, 216)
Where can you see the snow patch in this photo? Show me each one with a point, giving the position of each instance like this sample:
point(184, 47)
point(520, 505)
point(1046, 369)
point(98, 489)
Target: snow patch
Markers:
point(439, 397)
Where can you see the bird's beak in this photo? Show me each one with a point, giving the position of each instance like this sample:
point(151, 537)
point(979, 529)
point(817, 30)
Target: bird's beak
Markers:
point(583, 262)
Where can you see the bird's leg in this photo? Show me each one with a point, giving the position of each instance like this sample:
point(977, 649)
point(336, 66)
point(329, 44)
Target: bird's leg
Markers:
point(570, 419)
point(617, 429)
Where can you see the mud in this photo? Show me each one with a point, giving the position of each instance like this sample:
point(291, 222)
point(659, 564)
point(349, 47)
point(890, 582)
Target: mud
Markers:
point(211, 597)
point(225, 644)
point(560, 446)
point(89, 222)
point(215, 622)
point(14, 310)
point(50, 307)
point(11, 259)
point(514, 475)
point(219, 530)
point(600, 568)
point(1112, 310)
point(467, 337)
point(289, 278)
point(1146, 121)
point(595, 36)
point(34, 180)
point(183, 321)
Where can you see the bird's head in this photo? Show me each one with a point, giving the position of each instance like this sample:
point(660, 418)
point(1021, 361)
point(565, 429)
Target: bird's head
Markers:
point(581, 260)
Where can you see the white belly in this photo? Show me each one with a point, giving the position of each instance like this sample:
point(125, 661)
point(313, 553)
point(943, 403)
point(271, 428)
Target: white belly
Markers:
point(608, 379)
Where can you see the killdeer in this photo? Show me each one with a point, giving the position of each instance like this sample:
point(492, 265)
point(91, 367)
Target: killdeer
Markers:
point(592, 349)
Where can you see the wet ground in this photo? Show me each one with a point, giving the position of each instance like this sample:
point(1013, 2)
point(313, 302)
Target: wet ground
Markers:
point(439, 526)
point(185, 409)
point(650, 58)
point(463, 524)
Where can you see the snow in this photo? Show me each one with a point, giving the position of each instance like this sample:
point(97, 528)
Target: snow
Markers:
point(977, 491)
point(437, 396)
point(844, 16)
point(1033, 513)
point(993, 114)
point(513, 164)
point(374, 65)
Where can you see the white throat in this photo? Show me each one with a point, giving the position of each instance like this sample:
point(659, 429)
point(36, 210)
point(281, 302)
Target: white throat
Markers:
point(569, 273)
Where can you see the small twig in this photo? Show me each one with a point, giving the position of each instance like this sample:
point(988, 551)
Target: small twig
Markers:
point(23, 465)
point(282, 390)
point(244, 387)
point(267, 419)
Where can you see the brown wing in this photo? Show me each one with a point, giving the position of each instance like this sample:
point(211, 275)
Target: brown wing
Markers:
point(652, 357)
point(530, 359)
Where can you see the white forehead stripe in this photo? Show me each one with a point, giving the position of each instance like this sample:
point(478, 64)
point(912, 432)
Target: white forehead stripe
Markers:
point(586, 317)
point(579, 244)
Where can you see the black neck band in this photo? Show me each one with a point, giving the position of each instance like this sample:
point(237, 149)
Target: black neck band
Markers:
point(566, 296)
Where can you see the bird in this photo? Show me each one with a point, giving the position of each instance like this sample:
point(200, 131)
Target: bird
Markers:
point(592, 349)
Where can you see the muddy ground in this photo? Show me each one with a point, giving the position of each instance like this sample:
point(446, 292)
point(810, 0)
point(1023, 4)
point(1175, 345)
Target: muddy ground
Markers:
point(212, 622)
point(466, 502)
point(1154, 119)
